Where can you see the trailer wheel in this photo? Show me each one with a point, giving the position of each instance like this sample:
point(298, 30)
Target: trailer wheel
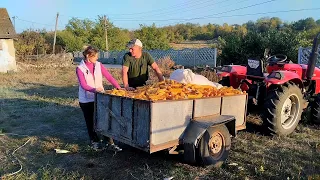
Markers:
point(282, 109)
point(315, 110)
point(214, 146)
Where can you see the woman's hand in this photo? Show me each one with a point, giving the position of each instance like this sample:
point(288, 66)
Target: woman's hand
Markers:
point(99, 89)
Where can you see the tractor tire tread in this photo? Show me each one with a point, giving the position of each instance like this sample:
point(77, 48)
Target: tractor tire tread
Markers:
point(272, 100)
point(315, 110)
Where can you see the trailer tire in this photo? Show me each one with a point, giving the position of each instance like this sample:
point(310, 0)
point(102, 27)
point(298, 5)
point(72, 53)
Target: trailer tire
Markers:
point(214, 145)
point(315, 110)
point(282, 109)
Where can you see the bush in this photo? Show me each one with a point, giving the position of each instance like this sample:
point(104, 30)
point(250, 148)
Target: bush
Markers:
point(239, 48)
point(210, 75)
point(165, 64)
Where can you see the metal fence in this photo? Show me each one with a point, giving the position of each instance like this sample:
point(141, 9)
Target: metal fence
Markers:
point(304, 54)
point(184, 57)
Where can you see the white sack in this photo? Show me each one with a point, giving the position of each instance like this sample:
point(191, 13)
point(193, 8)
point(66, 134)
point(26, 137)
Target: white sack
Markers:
point(188, 77)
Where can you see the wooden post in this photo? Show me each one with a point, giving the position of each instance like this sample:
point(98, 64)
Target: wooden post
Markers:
point(106, 32)
point(14, 22)
point(55, 35)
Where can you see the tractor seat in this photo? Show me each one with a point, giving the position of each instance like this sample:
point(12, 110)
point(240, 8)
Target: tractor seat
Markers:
point(255, 69)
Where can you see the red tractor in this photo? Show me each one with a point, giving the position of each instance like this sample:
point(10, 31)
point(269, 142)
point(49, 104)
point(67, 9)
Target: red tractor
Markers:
point(282, 93)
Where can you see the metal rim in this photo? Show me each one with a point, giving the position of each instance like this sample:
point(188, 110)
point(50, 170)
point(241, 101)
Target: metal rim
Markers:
point(216, 145)
point(289, 111)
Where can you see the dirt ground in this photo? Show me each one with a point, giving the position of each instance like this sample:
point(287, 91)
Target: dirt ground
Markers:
point(40, 101)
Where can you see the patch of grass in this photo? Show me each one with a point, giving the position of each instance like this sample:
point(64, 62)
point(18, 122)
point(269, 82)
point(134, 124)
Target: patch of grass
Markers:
point(48, 172)
point(49, 144)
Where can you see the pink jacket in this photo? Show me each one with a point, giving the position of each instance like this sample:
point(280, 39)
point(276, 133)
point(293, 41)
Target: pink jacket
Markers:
point(90, 78)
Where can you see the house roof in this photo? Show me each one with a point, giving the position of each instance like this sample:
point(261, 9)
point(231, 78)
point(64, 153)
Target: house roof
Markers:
point(6, 28)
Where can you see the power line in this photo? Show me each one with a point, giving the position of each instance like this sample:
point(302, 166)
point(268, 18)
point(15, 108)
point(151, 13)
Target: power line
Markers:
point(261, 13)
point(155, 10)
point(152, 11)
point(237, 9)
point(79, 17)
point(164, 19)
point(137, 19)
point(33, 22)
point(149, 13)
point(180, 9)
point(186, 8)
point(258, 4)
point(206, 6)
point(204, 17)
point(270, 12)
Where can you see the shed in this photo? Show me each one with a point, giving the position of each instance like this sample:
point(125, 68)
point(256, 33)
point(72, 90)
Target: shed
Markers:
point(7, 50)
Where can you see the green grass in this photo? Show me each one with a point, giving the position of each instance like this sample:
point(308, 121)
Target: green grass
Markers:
point(42, 103)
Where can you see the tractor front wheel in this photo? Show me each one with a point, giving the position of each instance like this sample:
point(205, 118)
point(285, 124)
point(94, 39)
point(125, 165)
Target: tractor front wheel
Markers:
point(282, 109)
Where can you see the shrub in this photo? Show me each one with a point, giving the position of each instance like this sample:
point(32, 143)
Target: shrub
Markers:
point(165, 64)
point(211, 75)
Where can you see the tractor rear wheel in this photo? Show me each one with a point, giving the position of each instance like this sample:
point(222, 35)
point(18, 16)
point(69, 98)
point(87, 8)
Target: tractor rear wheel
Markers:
point(315, 110)
point(282, 109)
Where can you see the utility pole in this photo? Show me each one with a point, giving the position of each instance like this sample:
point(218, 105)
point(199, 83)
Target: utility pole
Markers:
point(14, 22)
point(55, 35)
point(106, 32)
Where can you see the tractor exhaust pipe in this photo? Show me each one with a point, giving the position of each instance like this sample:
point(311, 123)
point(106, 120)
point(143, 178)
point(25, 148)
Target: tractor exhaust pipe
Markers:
point(313, 58)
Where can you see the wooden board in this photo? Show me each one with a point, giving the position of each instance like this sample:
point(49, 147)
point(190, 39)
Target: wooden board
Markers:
point(114, 119)
point(141, 123)
point(102, 116)
point(206, 107)
point(169, 120)
point(235, 106)
point(127, 114)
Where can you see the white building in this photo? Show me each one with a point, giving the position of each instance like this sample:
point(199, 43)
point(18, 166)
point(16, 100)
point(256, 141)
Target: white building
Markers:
point(7, 51)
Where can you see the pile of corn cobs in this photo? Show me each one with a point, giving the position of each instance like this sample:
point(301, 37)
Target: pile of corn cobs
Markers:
point(172, 90)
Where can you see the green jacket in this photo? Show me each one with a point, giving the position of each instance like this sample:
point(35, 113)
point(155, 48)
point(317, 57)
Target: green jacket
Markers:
point(138, 68)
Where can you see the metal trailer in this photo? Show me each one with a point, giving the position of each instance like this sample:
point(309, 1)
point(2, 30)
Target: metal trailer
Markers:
point(203, 127)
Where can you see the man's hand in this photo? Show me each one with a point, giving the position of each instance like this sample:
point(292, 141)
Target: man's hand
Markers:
point(157, 70)
point(129, 88)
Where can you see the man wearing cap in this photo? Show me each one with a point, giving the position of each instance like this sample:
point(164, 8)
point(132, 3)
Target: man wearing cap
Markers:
point(135, 66)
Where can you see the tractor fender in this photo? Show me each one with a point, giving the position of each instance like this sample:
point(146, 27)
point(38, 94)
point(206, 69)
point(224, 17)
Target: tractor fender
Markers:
point(197, 127)
point(282, 77)
point(223, 74)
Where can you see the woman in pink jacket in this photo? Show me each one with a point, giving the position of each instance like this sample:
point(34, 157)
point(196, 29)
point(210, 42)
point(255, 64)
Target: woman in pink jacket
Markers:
point(89, 74)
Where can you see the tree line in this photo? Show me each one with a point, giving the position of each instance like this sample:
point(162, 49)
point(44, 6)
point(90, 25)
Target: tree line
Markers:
point(235, 42)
